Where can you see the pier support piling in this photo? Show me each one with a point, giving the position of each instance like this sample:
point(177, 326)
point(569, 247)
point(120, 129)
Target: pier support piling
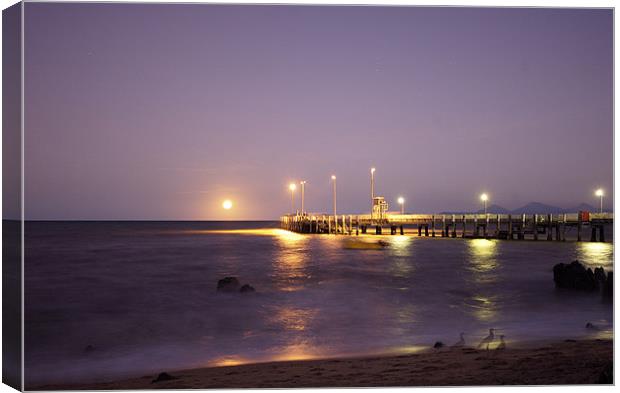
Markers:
point(453, 225)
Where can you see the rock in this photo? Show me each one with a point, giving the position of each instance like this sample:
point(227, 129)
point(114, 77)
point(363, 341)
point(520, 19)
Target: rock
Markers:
point(163, 377)
point(89, 348)
point(247, 288)
point(228, 284)
point(574, 276)
point(590, 325)
point(608, 287)
point(607, 375)
point(599, 275)
point(438, 344)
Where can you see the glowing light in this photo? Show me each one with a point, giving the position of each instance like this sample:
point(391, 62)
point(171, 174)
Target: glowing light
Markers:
point(298, 351)
point(279, 233)
point(599, 192)
point(484, 197)
point(290, 318)
point(227, 204)
point(372, 170)
point(229, 361)
point(483, 260)
point(401, 200)
point(595, 254)
point(292, 186)
point(483, 308)
point(333, 177)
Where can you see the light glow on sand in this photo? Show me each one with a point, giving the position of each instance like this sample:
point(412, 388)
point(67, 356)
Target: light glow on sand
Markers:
point(299, 351)
point(229, 361)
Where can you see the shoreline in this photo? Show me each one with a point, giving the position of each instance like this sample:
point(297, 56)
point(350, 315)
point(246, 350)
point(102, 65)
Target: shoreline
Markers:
point(561, 362)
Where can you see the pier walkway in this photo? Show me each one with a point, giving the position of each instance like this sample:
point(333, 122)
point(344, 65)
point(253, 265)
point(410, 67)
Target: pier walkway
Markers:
point(497, 226)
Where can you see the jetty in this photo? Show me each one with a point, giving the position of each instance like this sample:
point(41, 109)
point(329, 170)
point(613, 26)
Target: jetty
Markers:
point(551, 227)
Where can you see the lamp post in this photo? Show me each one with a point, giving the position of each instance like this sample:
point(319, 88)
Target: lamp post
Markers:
point(372, 193)
point(372, 184)
point(335, 216)
point(334, 180)
point(292, 187)
point(303, 184)
point(401, 201)
point(600, 193)
point(484, 198)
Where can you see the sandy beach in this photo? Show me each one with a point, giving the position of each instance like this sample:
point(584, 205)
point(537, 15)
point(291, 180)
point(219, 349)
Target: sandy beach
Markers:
point(562, 362)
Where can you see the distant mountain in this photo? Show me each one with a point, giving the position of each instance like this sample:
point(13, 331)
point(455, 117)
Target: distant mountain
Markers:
point(541, 208)
point(538, 208)
point(583, 206)
point(532, 208)
point(495, 209)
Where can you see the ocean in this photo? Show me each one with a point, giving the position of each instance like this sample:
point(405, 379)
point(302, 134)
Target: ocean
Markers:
point(108, 300)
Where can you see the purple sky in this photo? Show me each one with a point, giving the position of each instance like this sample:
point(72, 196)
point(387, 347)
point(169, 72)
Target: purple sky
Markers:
point(163, 111)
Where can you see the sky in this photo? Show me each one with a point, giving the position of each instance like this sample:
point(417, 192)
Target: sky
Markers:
point(162, 111)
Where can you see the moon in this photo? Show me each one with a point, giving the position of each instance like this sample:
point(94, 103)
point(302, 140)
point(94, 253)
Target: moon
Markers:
point(227, 204)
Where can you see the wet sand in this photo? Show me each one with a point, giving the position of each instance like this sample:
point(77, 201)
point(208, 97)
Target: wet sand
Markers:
point(553, 363)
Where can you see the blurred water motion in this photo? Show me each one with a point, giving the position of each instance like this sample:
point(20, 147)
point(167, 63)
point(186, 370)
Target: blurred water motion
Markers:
point(142, 295)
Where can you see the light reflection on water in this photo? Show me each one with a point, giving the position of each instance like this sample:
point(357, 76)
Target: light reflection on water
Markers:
point(290, 260)
point(484, 308)
point(293, 319)
point(483, 265)
point(315, 296)
point(483, 258)
point(596, 254)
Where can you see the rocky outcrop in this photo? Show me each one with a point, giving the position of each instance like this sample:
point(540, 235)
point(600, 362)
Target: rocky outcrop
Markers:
point(608, 287)
point(231, 285)
point(163, 377)
point(576, 276)
point(228, 285)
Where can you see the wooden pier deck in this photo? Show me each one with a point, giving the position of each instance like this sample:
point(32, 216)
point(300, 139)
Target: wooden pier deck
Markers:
point(497, 226)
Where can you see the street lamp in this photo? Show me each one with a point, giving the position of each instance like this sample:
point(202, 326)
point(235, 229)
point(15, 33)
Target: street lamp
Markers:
point(484, 198)
point(401, 201)
point(334, 180)
point(303, 184)
point(292, 187)
point(372, 184)
point(372, 192)
point(600, 193)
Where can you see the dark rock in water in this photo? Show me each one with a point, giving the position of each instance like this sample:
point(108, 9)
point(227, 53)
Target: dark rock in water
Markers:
point(608, 287)
point(574, 276)
point(163, 377)
point(247, 288)
point(228, 284)
point(607, 375)
point(590, 325)
point(438, 344)
point(599, 275)
point(89, 348)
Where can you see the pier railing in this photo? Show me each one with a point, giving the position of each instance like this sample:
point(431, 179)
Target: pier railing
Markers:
point(490, 225)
